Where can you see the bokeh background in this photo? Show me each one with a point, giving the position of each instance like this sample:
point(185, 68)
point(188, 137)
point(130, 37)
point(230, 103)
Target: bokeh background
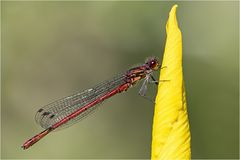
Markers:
point(53, 49)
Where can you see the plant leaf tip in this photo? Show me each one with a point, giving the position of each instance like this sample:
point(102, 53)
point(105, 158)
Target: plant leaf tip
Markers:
point(171, 134)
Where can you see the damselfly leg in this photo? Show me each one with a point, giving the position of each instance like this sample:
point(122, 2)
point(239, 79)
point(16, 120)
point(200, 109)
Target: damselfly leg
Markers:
point(149, 79)
point(153, 80)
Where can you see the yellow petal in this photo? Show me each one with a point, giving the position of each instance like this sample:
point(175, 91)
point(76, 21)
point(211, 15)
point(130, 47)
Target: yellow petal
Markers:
point(171, 135)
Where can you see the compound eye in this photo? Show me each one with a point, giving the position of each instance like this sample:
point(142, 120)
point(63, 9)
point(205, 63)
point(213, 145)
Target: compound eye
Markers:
point(154, 65)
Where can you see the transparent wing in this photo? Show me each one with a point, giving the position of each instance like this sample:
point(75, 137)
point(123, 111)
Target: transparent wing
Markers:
point(56, 111)
point(143, 89)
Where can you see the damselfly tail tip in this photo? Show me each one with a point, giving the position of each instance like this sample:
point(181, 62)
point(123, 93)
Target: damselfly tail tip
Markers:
point(26, 145)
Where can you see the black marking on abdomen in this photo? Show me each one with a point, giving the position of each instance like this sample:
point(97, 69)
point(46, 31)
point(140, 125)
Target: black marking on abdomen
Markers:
point(40, 110)
point(45, 113)
point(52, 116)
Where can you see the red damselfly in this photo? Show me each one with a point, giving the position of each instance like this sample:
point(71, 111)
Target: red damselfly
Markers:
point(69, 110)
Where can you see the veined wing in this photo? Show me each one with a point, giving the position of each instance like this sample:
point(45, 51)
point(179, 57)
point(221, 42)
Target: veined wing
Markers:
point(58, 110)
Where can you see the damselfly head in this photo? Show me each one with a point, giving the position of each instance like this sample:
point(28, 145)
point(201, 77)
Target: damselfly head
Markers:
point(153, 63)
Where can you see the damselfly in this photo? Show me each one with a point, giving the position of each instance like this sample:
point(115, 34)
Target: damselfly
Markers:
point(69, 110)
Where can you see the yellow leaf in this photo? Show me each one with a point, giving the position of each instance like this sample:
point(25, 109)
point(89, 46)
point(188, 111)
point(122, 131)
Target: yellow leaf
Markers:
point(171, 135)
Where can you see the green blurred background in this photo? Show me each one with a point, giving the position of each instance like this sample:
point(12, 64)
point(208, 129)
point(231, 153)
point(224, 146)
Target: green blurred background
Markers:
point(53, 49)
